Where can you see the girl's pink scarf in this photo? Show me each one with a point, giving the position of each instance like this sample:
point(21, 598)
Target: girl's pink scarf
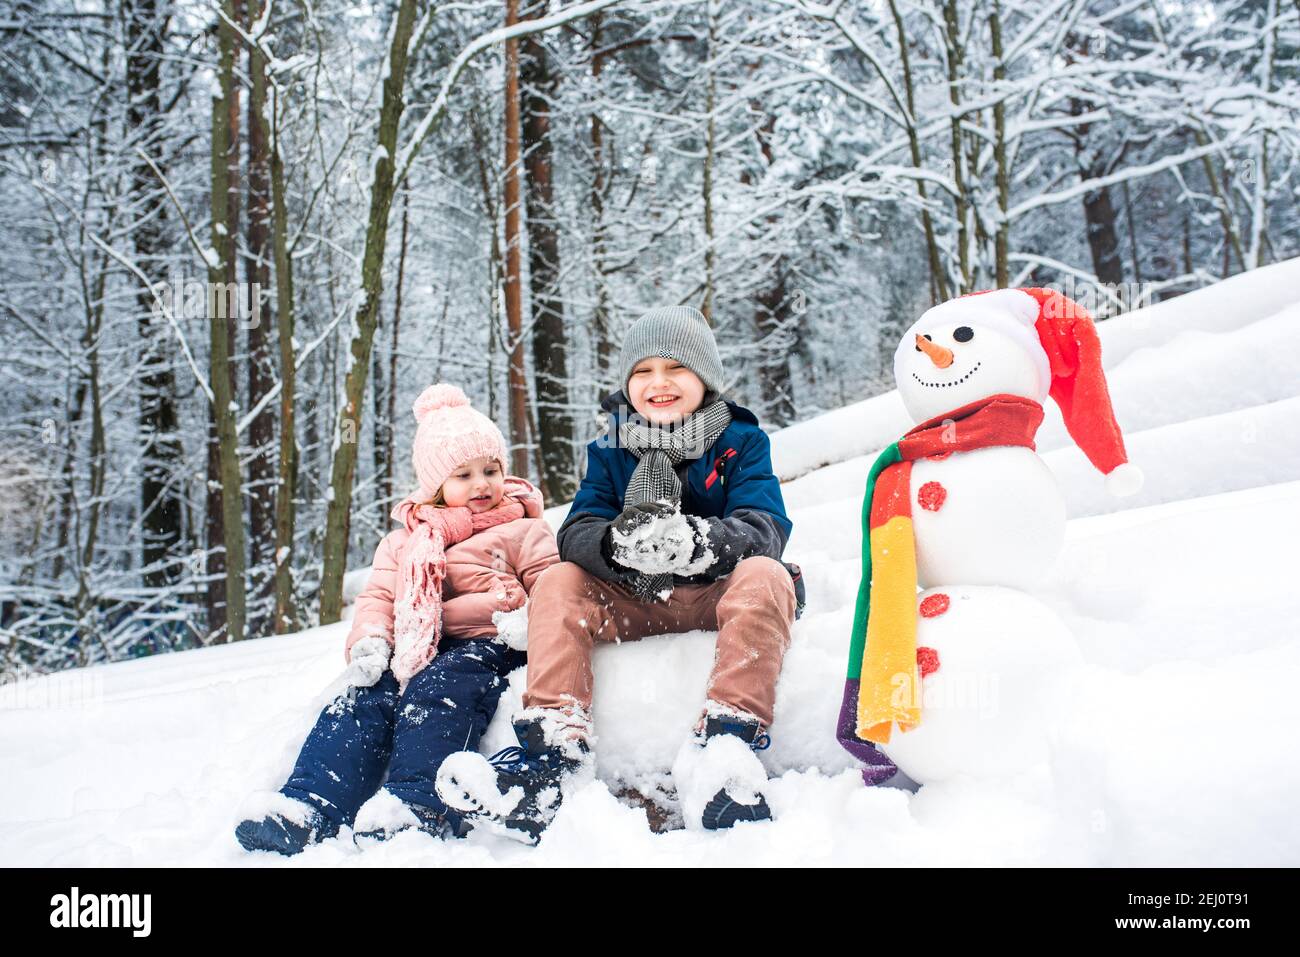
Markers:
point(417, 627)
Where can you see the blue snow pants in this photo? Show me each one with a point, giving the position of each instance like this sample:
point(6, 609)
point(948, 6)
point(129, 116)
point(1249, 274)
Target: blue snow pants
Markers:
point(365, 731)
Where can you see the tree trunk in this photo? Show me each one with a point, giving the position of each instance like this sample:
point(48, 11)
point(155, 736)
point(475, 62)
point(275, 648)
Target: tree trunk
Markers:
point(221, 322)
point(1231, 237)
point(516, 377)
point(710, 143)
point(90, 383)
point(98, 454)
point(286, 617)
point(1259, 195)
point(601, 313)
point(160, 494)
point(261, 374)
point(379, 410)
point(390, 417)
point(1098, 210)
point(954, 52)
point(772, 316)
point(1001, 270)
point(1103, 240)
point(549, 345)
point(338, 518)
point(479, 135)
point(1132, 235)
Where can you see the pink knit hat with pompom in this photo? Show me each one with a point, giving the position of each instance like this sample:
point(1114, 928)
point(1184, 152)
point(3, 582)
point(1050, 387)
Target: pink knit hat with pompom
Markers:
point(449, 434)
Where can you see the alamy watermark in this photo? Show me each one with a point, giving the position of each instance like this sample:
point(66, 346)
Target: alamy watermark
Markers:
point(75, 909)
point(22, 689)
point(1100, 300)
point(654, 434)
point(189, 298)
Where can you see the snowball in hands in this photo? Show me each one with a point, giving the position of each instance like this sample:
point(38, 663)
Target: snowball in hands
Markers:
point(664, 543)
point(369, 658)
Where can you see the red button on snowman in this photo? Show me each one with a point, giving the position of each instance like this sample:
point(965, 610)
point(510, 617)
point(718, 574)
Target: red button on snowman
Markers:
point(974, 675)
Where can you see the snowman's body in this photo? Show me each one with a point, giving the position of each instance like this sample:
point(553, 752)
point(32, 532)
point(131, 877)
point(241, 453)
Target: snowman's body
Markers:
point(988, 523)
point(990, 516)
point(1005, 660)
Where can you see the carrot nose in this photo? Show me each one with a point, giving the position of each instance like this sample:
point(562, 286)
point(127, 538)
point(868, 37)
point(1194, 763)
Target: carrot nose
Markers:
point(940, 356)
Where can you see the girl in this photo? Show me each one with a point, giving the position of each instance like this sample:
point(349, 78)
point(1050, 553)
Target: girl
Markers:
point(425, 664)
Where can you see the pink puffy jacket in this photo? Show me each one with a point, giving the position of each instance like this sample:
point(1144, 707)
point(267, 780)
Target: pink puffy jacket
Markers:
point(504, 559)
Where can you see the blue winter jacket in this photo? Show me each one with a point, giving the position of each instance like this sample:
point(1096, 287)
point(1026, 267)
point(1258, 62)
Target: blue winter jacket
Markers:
point(732, 486)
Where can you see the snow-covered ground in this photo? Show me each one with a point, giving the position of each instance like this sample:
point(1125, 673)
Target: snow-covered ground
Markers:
point(1178, 750)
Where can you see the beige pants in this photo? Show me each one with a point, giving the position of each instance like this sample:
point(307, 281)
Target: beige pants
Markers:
point(751, 609)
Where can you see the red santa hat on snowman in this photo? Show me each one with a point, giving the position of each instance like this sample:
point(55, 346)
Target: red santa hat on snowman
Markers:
point(1061, 340)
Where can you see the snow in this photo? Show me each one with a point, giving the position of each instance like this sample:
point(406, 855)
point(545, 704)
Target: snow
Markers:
point(1219, 453)
point(1174, 749)
point(512, 627)
point(385, 811)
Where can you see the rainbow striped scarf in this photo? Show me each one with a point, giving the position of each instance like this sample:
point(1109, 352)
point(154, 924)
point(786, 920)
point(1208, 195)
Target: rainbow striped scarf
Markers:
point(883, 685)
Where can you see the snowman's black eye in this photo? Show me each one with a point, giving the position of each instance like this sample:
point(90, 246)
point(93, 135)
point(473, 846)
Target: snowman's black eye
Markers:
point(963, 333)
point(925, 335)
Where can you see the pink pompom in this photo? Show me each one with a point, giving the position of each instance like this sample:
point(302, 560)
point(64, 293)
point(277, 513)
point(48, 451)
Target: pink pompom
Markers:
point(438, 396)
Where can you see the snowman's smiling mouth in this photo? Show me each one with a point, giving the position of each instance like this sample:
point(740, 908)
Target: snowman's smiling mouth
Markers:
point(944, 385)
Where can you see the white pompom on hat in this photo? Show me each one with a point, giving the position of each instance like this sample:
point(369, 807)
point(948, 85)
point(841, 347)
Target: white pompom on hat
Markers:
point(450, 433)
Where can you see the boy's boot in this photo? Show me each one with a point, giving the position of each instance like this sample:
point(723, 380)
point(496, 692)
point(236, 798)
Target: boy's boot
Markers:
point(718, 776)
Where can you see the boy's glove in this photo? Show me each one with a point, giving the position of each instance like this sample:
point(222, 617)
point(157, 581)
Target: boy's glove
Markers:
point(368, 660)
point(636, 516)
point(702, 557)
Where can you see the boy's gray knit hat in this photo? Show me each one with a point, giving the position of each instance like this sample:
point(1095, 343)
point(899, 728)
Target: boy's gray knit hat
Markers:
point(673, 332)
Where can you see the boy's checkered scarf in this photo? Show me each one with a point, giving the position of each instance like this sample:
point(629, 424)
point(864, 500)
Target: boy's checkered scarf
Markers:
point(658, 450)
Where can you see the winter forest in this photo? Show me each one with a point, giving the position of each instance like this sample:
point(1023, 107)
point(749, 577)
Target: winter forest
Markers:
point(242, 236)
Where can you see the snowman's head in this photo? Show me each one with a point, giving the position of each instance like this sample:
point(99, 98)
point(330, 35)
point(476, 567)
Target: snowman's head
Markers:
point(969, 348)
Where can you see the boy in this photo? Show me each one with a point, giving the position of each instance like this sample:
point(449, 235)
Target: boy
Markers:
point(678, 525)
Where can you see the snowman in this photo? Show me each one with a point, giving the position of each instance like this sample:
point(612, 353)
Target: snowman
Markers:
point(973, 669)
